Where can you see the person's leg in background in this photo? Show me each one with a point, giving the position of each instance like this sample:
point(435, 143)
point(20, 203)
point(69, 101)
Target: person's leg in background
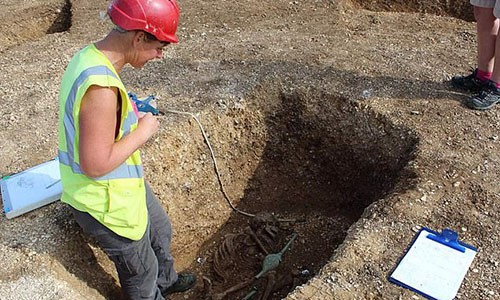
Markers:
point(487, 29)
point(490, 95)
point(495, 77)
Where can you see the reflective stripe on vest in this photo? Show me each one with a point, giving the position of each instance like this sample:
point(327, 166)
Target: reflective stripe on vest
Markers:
point(67, 158)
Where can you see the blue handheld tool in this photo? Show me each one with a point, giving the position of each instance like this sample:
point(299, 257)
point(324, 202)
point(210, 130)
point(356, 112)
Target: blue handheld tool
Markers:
point(143, 104)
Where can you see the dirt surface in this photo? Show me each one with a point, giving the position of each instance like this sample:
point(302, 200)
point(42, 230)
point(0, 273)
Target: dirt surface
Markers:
point(336, 117)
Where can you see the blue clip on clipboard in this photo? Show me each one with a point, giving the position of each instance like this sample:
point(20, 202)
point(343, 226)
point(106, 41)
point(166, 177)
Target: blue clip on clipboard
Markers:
point(434, 265)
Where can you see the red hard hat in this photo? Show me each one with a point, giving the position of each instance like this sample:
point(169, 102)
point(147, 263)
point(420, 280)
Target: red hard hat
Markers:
point(158, 17)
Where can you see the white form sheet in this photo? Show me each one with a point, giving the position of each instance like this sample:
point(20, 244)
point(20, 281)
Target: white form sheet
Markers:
point(432, 268)
point(30, 189)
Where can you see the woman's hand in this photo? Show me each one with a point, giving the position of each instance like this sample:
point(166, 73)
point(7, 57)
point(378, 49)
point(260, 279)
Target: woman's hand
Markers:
point(148, 125)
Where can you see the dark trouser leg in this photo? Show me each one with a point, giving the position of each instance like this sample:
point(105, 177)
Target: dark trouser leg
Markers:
point(135, 261)
point(161, 235)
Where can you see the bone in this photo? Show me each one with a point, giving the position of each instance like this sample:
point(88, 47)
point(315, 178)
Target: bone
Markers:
point(284, 280)
point(271, 280)
point(232, 289)
point(250, 232)
point(207, 288)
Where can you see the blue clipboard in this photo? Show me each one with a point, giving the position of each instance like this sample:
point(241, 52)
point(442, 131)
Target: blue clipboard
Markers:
point(435, 264)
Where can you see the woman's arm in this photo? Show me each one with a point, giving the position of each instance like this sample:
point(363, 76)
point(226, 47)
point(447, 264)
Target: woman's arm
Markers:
point(99, 152)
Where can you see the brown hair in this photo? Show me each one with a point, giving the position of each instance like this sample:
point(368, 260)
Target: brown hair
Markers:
point(148, 37)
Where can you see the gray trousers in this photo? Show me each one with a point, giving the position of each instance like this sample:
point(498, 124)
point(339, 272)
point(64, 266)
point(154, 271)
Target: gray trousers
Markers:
point(145, 267)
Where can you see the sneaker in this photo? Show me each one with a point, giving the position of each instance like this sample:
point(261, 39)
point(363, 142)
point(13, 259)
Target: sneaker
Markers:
point(468, 83)
point(488, 97)
point(184, 282)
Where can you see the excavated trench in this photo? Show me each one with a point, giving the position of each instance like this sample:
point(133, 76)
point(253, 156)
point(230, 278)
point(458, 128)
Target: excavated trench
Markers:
point(30, 21)
point(305, 163)
point(452, 8)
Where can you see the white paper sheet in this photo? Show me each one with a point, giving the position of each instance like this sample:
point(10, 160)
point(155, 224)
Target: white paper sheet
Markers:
point(30, 189)
point(432, 268)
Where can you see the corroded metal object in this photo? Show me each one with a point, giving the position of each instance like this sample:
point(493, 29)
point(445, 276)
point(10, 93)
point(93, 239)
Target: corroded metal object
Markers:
point(273, 260)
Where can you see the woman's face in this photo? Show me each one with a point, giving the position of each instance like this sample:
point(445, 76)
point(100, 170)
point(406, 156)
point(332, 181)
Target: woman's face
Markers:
point(146, 50)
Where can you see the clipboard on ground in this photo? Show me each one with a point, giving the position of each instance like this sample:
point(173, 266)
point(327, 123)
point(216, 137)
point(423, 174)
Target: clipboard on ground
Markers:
point(435, 264)
point(31, 188)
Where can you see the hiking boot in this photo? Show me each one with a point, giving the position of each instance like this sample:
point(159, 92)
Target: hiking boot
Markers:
point(488, 97)
point(184, 282)
point(468, 83)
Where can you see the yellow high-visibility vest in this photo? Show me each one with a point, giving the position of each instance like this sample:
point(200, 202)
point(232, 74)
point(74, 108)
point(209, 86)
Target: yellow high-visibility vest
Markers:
point(117, 199)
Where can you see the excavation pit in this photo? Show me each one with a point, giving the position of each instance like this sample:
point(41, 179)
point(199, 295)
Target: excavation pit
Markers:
point(33, 20)
point(315, 158)
point(454, 8)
